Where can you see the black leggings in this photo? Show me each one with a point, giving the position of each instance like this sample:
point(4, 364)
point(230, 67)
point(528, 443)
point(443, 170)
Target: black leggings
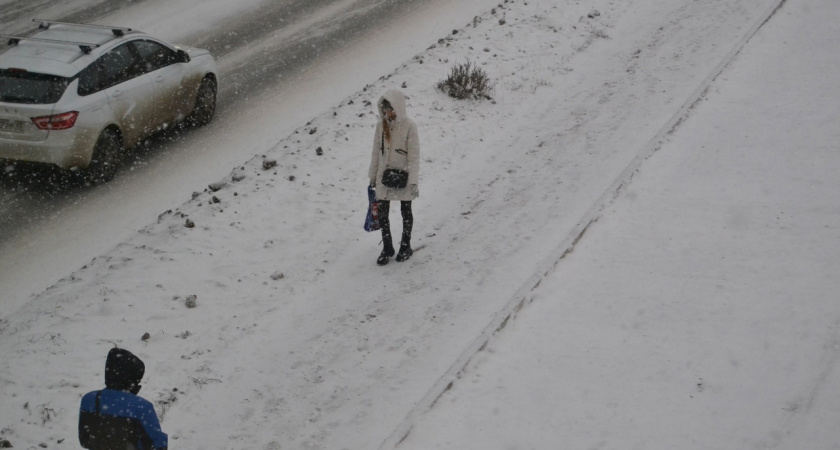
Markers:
point(385, 223)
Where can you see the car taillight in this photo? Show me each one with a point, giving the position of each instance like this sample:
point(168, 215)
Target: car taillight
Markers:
point(56, 121)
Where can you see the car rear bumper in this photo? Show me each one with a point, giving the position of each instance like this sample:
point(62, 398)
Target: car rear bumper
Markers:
point(63, 149)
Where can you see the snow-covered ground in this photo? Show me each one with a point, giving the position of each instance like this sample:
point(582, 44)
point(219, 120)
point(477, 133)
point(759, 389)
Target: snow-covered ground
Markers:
point(632, 246)
point(701, 310)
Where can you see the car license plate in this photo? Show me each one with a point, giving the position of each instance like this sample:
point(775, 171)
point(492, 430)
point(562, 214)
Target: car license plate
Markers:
point(14, 126)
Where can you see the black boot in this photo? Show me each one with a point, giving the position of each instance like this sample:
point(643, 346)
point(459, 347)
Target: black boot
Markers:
point(405, 252)
point(387, 252)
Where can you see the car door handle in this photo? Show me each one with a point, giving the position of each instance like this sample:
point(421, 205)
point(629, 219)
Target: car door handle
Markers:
point(117, 92)
point(159, 78)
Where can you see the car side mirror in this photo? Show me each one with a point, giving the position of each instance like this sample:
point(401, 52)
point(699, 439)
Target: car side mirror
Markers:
point(183, 57)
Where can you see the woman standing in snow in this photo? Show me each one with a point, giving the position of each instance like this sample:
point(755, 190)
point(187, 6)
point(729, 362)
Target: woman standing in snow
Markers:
point(395, 146)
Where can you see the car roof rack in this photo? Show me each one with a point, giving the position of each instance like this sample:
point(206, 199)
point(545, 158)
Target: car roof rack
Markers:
point(118, 31)
point(85, 47)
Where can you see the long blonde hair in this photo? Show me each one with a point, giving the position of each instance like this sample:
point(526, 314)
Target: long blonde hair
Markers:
point(386, 130)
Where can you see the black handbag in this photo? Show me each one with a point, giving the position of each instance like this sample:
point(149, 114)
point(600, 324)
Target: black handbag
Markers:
point(395, 178)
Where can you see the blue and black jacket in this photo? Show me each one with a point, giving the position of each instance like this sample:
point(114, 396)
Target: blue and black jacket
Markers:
point(115, 417)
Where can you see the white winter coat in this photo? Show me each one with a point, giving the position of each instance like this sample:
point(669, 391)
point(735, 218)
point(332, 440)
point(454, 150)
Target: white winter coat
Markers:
point(402, 151)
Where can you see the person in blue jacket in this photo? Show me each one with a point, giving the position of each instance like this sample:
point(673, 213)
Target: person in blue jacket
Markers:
point(115, 417)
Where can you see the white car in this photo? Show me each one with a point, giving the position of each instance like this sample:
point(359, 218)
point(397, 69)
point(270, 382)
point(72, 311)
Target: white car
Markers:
point(76, 95)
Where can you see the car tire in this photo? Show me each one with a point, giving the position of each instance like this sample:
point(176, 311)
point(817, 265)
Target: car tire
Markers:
point(205, 104)
point(106, 157)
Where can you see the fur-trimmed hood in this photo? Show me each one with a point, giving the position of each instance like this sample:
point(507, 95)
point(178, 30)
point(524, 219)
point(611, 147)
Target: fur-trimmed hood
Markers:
point(397, 100)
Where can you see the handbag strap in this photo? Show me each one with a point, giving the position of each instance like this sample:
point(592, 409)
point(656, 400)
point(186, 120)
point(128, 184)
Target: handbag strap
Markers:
point(382, 146)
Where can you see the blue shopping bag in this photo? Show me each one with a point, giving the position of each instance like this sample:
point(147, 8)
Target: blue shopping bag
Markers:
point(372, 218)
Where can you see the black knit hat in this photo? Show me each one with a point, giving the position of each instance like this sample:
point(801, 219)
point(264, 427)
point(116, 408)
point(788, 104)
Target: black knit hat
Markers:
point(123, 371)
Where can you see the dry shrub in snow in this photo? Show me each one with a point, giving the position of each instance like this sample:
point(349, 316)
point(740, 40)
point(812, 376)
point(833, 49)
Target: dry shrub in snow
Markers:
point(466, 81)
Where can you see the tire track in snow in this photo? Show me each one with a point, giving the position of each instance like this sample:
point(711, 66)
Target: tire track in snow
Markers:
point(315, 31)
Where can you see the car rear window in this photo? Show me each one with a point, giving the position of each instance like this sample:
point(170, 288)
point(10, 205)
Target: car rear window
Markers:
point(17, 86)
